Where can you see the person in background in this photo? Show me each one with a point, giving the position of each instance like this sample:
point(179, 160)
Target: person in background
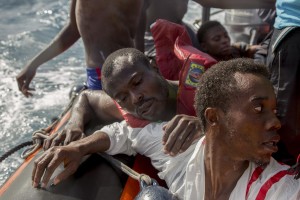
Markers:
point(268, 16)
point(232, 161)
point(215, 41)
point(103, 26)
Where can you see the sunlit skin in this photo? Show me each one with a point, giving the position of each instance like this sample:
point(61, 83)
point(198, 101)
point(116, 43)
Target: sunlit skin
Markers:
point(142, 92)
point(247, 131)
point(253, 123)
point(216, 42)
point(103, 26)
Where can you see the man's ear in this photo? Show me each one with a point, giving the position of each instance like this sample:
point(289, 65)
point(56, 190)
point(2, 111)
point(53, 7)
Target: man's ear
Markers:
point(211, 116)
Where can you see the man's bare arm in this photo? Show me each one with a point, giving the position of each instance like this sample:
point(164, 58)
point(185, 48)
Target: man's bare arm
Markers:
point(63, 40)
point(237, 4)
point(91, 106)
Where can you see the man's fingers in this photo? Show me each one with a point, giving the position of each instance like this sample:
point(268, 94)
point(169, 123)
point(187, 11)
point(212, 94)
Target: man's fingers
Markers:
point(181, 139)
point(35, 166)
point(69, 170)
point(68, 138)
point(27, 93)
point(58, 139)
point(48, 141)
point(40, 166)
point(168, 129)
point(174, 137)
point(184, 135)
point(71, 136)
point(53, 164)
point(186, 144)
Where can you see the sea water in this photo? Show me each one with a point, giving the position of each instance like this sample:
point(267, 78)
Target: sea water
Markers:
point(27, 27)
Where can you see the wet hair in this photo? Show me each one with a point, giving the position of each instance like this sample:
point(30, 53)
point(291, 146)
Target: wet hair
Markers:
point(204, 28)
point(133, 57)
point(217, 86)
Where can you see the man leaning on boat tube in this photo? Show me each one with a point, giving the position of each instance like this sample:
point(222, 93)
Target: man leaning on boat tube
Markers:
point(236, 107)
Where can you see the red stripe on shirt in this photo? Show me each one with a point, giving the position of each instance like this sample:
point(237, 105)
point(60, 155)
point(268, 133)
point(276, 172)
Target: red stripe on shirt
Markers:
point(268, 184)
point(255, 175)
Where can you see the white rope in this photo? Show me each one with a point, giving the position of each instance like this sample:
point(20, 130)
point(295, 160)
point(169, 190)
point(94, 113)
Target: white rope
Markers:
point(130, 172)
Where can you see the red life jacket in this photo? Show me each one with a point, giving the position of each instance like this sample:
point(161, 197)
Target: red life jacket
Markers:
point(177, 59)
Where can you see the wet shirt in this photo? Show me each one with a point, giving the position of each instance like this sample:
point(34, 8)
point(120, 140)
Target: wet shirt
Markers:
point(270, 183)
point(147, 141)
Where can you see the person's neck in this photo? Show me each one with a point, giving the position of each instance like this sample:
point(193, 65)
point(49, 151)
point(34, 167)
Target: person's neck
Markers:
point(221, 172)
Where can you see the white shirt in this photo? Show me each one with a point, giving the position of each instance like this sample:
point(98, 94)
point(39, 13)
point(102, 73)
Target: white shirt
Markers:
point(264, 187)
point(147, 141)
point(184, 174)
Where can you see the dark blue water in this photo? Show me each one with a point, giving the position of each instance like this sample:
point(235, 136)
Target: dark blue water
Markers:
point(26, 27)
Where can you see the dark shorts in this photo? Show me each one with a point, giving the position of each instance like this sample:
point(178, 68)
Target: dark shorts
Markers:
point(94, 78)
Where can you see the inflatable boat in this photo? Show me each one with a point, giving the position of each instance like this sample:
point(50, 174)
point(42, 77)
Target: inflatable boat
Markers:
point(96, 178)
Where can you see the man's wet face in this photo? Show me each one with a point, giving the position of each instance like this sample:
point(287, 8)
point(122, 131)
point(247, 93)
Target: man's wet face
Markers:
point(250, 125)
point(139, 90)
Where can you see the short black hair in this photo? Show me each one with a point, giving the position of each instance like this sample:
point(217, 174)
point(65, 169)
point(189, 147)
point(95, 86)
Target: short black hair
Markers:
point(204, 28)
point(133, 56)
point(217, 86)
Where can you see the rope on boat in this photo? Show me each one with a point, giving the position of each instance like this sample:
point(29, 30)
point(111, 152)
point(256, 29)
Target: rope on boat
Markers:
point(39, 136)
point(37, 141)
point(130, 172)
point(13, 150)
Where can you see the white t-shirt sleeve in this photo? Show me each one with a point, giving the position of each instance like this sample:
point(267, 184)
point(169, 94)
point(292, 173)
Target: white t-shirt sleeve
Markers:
point(118, 133)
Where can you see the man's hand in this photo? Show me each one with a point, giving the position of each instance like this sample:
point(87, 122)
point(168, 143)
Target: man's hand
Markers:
point(69, 134)
point(179, 134)
point(46, 164)
point(24, 78)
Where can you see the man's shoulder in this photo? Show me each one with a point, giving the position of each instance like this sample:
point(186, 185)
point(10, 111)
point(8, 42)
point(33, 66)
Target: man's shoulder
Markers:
point(274, 168)
point(273, 182)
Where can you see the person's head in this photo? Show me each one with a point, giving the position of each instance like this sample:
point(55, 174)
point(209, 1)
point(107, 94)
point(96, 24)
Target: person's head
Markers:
point(236, 101)
point(138, 87)
point(214, 39)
